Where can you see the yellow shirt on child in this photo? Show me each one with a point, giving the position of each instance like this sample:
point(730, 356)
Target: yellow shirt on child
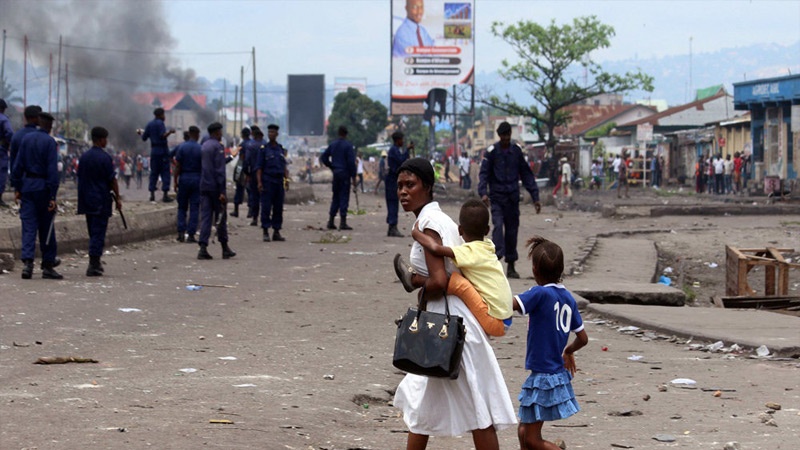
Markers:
point(479, 264)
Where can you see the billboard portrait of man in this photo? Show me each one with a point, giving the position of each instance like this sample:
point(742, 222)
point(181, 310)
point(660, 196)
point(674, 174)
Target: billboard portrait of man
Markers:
point(411, 33)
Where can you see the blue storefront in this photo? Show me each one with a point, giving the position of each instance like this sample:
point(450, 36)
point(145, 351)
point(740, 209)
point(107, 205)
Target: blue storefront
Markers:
point(774, 105)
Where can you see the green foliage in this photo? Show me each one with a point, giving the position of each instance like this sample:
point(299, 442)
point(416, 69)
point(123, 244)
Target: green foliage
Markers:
point(602, 130)
point(75, 129)
point(546, 55)
point(7, 91)
point(363, 117)
point(599, 150)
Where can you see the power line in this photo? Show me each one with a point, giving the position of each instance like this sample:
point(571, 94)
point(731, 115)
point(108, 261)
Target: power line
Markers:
point(131, 51)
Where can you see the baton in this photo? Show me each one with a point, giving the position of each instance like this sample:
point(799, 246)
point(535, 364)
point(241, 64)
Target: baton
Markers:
point(121, 216)
point(358, 207)
point(52, 226)
point(223, 216)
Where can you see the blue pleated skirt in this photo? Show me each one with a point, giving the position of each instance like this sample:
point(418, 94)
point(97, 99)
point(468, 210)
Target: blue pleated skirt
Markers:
point(547, 397)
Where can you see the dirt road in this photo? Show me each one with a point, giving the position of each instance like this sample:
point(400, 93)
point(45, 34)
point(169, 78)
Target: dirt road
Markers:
point(297, 353)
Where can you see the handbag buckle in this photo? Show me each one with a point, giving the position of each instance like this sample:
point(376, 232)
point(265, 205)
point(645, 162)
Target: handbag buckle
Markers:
point(443, 332)
point(414, 326)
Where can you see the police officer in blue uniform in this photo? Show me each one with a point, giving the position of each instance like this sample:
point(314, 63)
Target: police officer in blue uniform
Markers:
point(96, 180)
point(36, 168)
point(212, 193)
point(187, 185)
point(251, 153)
point(6, 133)
point(157, 132)
point(502, 169)
point(397, 155)
point(340, 157)
point(31, 114)
point(238, 173)
point(271, 171)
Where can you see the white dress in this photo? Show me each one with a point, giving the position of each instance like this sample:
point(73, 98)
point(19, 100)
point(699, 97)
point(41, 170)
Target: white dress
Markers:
point(479, 397)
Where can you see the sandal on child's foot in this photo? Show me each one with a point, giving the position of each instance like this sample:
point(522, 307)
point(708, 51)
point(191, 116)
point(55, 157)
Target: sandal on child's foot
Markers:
point(560, 444)
point(404, 272)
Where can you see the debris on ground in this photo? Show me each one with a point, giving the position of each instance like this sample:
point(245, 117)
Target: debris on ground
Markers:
point(63, 360)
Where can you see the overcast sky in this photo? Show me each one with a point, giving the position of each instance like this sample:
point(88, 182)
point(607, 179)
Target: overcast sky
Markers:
point(351, 38)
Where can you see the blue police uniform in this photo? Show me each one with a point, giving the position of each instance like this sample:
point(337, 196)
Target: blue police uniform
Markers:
point(340, 157)
point(95, 176)
point(252, 152)
point(16, 141)
point(238, 195)
point(212, 184)
point(159, 154)
point(501, 172)
point(395, 159)
point(272, 163)
point(189, 157)
point(6, 134)
point(36, 166)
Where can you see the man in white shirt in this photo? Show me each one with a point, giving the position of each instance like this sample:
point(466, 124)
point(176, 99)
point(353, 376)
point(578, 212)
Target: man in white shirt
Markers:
point(719, 175)
point(466, 181)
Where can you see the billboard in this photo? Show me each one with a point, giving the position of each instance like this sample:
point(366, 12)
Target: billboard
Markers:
point(306, 105)
point(433, 49)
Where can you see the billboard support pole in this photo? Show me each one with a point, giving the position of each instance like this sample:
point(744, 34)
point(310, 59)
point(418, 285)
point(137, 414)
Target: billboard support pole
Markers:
point(455, 124)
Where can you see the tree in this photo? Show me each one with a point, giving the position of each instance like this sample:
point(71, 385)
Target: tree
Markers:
point(7, 91)
point(363, 117)
point(547, 54)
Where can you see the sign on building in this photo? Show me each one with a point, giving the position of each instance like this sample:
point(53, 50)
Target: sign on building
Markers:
point(433, 47)
point(644, 132)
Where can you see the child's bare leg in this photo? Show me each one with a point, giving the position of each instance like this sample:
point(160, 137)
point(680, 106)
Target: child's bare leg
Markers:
point(416, 441)
point(485, 439)
point(530, 437)
point(463, 289)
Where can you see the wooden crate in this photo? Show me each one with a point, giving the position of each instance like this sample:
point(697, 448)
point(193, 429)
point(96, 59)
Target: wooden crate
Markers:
point(740, 261)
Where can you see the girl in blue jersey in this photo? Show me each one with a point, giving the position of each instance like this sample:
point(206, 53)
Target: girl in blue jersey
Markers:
point(547, 393)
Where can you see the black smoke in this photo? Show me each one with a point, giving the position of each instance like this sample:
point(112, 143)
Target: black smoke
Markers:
point(114, 48)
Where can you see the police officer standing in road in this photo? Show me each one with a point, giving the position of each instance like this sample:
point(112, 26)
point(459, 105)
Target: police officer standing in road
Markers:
point(6, 133)
point(252, 153)
point(36, 168)
point(187, 185)
point(340, 157)
point(212, 193)
point(502, 168)
point(96, 180)
point(397, 155)
point(31, 114)
point(238, 173)
point(271, 171)
point(157, 132)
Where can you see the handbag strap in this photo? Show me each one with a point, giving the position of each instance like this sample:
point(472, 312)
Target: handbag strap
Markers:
point(422, 302)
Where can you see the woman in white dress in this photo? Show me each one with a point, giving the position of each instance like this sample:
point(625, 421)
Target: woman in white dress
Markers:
point(478, 400)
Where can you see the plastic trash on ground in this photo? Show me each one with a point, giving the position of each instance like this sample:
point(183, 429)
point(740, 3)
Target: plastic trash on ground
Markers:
point(193, 287)
point(664, 280)
point(762, 351)
point(686, 381)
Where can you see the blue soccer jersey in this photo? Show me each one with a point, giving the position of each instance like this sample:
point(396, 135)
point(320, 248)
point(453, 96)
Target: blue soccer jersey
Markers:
point(553, 315)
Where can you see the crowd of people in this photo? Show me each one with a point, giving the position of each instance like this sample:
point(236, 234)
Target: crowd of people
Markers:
point(718, 175)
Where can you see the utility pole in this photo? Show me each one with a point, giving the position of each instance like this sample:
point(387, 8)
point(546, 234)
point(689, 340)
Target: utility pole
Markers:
point(3, 65)
point(66, 84)
point(50, 85)
point(690, 68)
point(255, 97)
point(224, 118)
point(25, 72)
point(58, 79)
point(241, 103)
point(235, 110)
point(455, 125)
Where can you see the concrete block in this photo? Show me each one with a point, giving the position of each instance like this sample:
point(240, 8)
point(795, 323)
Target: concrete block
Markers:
point(6, 261)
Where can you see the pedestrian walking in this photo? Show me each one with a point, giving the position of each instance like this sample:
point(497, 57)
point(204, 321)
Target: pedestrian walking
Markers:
point(272, 174)
point(238, 172)
point(547, 393)
point(359, 173)
point(502, 168)
point(622, 176)
point(252, 153)
point(188, 165)
point(381, 172)
point(36, 166)
point(397, 156)
point(212, 193)
point(6, 133)
point(158, 134)
point(96, 182)
point(341, 159)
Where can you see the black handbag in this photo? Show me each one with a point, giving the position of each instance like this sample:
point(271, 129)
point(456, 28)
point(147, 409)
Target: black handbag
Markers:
point(429, 343)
